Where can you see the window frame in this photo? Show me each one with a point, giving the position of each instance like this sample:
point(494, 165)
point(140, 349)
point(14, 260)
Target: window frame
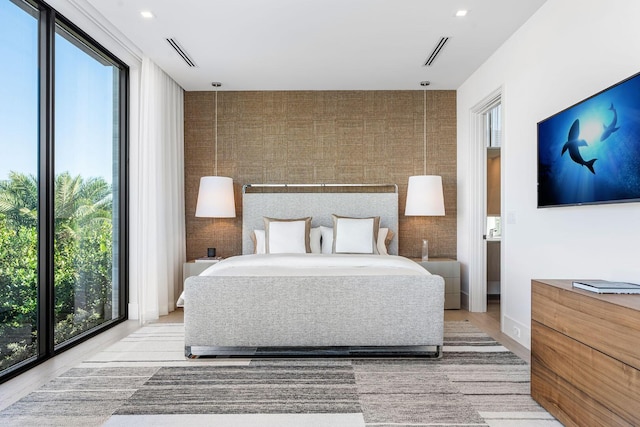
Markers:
point(47, 20)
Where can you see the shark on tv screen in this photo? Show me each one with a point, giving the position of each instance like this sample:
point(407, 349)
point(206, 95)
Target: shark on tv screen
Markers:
point(590, 152)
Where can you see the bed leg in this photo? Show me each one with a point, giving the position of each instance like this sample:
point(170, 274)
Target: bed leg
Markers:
point(438, 352)
point(187, 352)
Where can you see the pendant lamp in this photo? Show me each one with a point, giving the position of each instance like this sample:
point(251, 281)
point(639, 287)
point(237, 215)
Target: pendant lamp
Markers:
point(215, 195)
point(424, 192)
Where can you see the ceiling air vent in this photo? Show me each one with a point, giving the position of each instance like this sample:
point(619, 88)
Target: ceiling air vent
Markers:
point(174, 44)
point(436, 51)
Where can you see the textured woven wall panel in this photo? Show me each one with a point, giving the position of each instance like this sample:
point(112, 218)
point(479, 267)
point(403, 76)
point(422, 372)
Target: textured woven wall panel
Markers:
point(320, 137)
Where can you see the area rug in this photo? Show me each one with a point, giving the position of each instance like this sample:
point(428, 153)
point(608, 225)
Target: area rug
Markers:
point(145, 380)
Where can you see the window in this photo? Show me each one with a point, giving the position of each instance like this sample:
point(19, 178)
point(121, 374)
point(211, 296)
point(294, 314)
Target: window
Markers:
point(62, 186)
point(18, 183)
point(86, 171)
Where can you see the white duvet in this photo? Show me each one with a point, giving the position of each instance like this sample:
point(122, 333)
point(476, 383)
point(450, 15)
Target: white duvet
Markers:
point(312, 265)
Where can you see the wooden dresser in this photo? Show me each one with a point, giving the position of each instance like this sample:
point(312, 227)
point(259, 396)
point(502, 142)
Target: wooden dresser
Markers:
point(585, 354)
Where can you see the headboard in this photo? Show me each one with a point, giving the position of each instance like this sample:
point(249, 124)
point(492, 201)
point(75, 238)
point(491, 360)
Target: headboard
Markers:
point(318, 201)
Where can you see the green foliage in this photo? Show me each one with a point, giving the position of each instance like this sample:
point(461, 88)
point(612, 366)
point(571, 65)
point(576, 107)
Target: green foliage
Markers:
point(82, 260)
point(19, 199)
point(18, 274)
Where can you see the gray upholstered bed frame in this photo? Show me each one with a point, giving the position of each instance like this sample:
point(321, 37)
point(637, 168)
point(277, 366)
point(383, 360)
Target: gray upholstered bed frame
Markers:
point(319, 206)
point(352, 315)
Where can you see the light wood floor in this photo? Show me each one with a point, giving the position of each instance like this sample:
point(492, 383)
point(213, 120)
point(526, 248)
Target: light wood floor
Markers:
point(15, 389)
point(489, 323)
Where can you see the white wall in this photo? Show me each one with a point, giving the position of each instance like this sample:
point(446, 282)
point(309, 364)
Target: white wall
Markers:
point(569, 50)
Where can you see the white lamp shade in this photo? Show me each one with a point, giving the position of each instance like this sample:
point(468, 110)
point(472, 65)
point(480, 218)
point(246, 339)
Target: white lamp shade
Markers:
point(424, 196)
point(215, 197)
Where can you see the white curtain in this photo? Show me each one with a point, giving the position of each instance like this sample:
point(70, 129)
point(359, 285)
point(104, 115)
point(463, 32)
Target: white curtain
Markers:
point(158, 233)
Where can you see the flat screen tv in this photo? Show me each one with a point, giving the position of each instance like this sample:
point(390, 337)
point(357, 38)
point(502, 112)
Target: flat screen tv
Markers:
point(590, 152)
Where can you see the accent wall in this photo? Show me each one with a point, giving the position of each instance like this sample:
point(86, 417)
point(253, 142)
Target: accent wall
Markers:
point(371, 137)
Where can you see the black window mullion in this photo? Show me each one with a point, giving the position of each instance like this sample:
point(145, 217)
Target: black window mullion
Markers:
point(46, 174)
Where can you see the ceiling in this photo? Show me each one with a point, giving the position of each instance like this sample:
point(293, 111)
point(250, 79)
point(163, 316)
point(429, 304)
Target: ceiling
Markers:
point(318, 44)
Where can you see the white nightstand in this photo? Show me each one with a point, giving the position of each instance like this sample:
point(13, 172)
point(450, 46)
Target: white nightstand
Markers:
point(449, 269)
point(193, 268)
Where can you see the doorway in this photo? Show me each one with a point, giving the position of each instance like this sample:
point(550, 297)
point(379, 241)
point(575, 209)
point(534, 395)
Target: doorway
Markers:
point(486, 232)
point(493, 208)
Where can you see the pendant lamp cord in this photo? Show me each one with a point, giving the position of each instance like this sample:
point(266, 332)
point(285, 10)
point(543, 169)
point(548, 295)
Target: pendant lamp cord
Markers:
point(215, 127)
point(424, 128)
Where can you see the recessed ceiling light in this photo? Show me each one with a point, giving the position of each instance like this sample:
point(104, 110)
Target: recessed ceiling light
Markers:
point(461, 13)
point(146, 14)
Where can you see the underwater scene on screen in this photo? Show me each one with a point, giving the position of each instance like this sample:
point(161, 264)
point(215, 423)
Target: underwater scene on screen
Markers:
point(590, 152)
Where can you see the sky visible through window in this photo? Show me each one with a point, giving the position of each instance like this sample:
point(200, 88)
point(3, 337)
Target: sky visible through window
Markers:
point(84, 103)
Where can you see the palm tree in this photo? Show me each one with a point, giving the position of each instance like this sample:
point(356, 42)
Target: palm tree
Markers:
point(80, 203)
point(76, 201)
point(19, 199)
point(82, 215)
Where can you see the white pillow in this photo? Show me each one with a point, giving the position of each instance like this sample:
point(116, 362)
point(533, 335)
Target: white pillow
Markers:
point(314, 240)
point(287, 235)
point(327, 239)
point(355, 235)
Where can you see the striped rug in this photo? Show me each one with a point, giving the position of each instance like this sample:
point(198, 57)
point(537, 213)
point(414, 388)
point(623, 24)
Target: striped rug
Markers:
point(145, 380)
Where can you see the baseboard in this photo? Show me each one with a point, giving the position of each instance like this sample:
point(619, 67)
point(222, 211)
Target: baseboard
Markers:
point(133, 311)
point(517, 331)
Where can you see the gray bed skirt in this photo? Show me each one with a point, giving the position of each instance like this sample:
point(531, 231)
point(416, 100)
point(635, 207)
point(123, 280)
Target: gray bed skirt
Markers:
point(309, 315)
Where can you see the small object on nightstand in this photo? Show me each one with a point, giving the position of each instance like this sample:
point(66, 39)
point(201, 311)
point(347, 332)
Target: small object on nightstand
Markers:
point(425, 250)
point(211, 252)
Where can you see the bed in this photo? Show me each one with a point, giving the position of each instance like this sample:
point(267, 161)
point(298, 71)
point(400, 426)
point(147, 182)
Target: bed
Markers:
point(267, 304)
